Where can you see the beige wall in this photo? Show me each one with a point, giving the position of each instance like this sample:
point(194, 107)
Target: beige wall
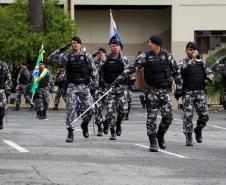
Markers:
point(135, 27)
point(188, 16)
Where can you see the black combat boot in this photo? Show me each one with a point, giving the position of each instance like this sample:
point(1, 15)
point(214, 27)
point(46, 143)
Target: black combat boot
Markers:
point(153, 143)
point(17, 108)
point(38, 113)
point(44, 114)
point(113, 135)
point(198, 134)
point(1, 121)
point(100, 130)
point(160, 137)
point(85, 130)
point(106, 125)
point(118, 124)
point(127, 116)
point(41, 115)
point(55, 107)
point(70, 136)
point(189, 139)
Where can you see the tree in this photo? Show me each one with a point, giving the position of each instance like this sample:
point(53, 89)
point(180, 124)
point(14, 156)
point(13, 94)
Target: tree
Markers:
point(19, 40)
point(35, 14)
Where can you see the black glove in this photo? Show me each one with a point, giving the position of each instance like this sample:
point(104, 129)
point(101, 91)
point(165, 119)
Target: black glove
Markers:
point(92, 91)
point(116, 82)
point(178, 93)
point(64, 48)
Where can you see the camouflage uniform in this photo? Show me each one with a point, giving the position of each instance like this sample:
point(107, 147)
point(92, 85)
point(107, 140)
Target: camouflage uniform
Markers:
point(41, 96)
point(62, 87)
point(129, 95)
point(116, 100)
point(99, 105)
point(220, 67)
point(79, 86)
point(5, 84)
point(158, 73)
point(193, 96)
point(23, 80)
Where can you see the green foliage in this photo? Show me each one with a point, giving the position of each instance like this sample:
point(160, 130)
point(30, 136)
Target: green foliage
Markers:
point(215, 89)
point(18, 41)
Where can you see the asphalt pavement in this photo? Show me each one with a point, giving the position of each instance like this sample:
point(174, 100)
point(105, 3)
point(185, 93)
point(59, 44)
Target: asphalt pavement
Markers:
point(34, 152)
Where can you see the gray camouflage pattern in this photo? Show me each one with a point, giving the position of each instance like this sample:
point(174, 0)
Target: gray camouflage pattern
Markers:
point(73, 92)
point(194, 100)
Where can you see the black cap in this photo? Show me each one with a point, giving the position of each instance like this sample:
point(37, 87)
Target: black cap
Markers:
point(156, 40)
point(191, 45)
point(76, 38)
point(102, 50)
point(114, 41)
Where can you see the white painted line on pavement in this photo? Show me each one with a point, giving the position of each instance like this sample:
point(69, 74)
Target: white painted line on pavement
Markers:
point(164, 151)
point(216, 126)
point(16, 146)
point(207, 124)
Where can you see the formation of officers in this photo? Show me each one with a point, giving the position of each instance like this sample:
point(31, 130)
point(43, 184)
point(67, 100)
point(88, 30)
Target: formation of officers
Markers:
point(83, 81)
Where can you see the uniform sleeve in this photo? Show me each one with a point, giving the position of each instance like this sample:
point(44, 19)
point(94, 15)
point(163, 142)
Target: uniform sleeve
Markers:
point(130, 69)
point(58, 57)
point(51, 81)
point(94, 73)
point(8, 82)
point(175, 72)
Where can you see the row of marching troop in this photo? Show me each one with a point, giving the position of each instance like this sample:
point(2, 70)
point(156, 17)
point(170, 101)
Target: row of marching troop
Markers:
point(89, 83)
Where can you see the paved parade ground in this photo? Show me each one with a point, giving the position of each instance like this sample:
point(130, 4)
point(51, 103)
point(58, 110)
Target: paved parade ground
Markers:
point(35, 152)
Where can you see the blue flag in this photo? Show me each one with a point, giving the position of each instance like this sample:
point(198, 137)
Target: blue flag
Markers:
point(113, 32)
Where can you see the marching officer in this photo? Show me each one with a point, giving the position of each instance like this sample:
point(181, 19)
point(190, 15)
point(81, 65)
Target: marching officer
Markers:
point(160, 69)
point(5, 85)
point(101, 56)
point(24, 82)
point(61, 83)
point(80, 71)
point(194, 72)
point(220, 67)
point(116, 100)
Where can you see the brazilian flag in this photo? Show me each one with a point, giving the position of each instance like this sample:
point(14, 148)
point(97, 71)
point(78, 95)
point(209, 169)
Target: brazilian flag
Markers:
point(36, 76)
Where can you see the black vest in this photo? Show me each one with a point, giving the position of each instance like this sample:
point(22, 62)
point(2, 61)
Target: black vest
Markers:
point(24, 79)
point(112, 69)
point(157, 71)
point(194, 77)
point(78, 69)
point(2, 77)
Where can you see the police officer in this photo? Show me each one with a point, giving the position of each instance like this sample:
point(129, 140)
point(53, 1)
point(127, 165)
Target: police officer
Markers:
point(101, 56)
point(194, 72)
point(24, 82)
point(5, 85)
point(61, 83)
point(42, 92)
point(116, 100)
point(131, 81)
point(220, 67)
point(80, 69)
point(159, 70)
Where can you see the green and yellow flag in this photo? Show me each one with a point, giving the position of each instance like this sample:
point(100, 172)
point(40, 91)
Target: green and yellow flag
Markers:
point(36, 76)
